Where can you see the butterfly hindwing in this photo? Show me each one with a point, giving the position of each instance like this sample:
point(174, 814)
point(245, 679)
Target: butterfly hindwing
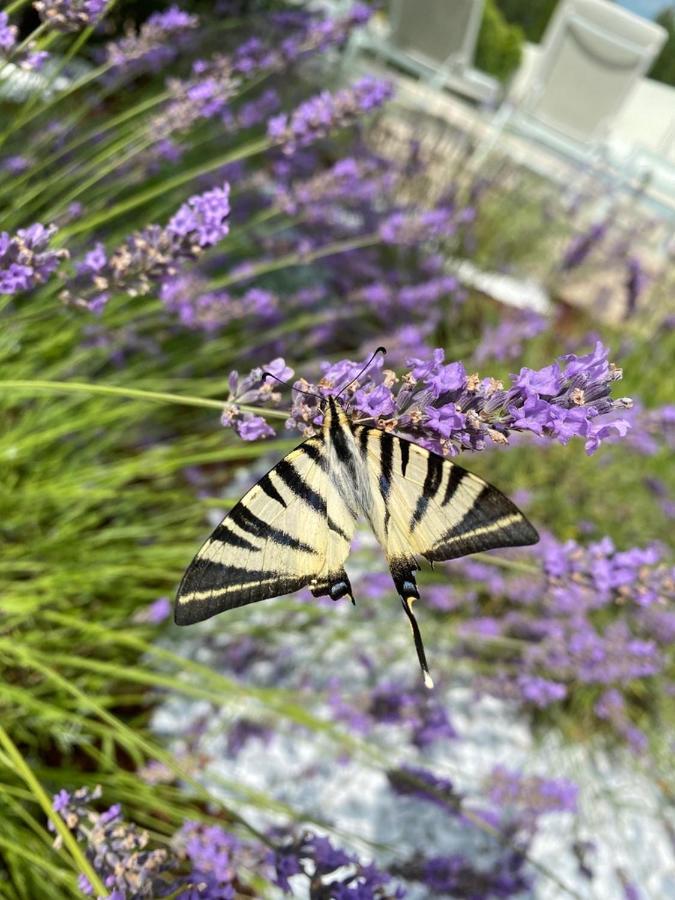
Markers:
point(430, 506)
point(291, 530)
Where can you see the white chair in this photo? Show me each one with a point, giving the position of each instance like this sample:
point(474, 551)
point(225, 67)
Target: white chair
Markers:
point(435, 40)
point(592, 55)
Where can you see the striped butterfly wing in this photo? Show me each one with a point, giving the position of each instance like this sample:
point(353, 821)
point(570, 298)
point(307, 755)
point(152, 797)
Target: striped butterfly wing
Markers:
point(433, 507)
point(423, 504)
point(291, 530)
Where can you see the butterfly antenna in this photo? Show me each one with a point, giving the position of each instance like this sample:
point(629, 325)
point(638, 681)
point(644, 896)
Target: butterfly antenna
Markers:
point(417, 635)
point(285, 384)
point(379, 350)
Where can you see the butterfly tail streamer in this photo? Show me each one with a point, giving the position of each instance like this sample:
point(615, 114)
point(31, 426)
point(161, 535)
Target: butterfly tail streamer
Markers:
point(417, 635)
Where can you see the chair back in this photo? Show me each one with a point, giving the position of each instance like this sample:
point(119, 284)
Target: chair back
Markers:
point(436, 32)
point(591, 57)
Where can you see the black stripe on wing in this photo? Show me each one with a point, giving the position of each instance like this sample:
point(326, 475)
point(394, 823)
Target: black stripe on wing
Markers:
point(491, 521)
point(432, 482)
point(242, 516)
point(218, 587)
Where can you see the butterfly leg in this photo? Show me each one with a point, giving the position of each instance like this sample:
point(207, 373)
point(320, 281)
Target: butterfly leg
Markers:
point(336, 587)
point(404, 579)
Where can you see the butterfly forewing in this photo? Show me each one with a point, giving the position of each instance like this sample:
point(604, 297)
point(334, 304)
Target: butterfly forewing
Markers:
point(291, 530)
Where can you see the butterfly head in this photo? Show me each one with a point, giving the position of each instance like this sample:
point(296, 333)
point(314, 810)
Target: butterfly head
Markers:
point(333, 411)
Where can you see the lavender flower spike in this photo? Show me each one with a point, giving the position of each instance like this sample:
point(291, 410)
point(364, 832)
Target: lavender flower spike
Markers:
point(8, 35)
point(116, 849)
point(25, 261)
point(316, 117)
point(156, 41)
point(447, 410)
point(70, 15)
point(151, 255)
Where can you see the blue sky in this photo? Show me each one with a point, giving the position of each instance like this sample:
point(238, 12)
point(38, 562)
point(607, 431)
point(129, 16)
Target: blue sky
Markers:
point(646, 8)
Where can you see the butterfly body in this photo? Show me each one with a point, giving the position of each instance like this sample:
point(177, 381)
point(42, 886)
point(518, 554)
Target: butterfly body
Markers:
point(293, 529)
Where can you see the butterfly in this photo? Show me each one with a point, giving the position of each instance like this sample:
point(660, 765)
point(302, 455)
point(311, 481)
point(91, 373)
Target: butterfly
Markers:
point(293, 529)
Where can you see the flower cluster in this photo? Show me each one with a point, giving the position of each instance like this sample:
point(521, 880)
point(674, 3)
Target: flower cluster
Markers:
point(406, 229)
point(566, 632)
point(319, 115)
point(210, 861)
point(445, 409)
point(581, 245)
point(505, 341)
point(253, 389)
point(526, 797)
point(517, 802)
point(117, 850)
point(70, 15)
point(25, 260)
point(651, 429)
point(333, 872)
point(155, 43)
point(8, 34)
point(217, 859)
point(151, 255)
point(414, 708)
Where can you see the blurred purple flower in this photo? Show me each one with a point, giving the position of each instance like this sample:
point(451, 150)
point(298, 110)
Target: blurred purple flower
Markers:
point(244, 730)
point(15, 165)
point(319, 115)
point(580, 246)
point(8, 34)
point(70, 15)
point(151, 255)
point(156, 42)
point(636, 282)
point(540, 691)
point(253, 428)
point(25, 261)
point(505, 340)
point(155, 613)
point(202, 219)
point(421, 783)
point(116, 849)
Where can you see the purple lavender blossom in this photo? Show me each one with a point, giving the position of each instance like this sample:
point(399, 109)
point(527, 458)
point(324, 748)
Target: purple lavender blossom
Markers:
point(116, 849)
point(25, 261)
point(410, 228)
point(156, 42)
point(8, 34)
point(580, 246)
point(531, 796)
point(319, 115)
point(156, 613)
point(15, 165)
point(253, 389)
point(505, 340)
point(70, 15)
point(446, 410)
point(152, 255)
point(423, 784)
point(243, 731)
point(202, 219)
point(457, 876)
point(336, 873)
point(636, 283)
point(567, 643)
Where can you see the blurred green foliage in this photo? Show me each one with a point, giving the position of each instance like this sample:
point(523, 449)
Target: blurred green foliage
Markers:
point(500, 44)
point(533, 17)
point(664, 65)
